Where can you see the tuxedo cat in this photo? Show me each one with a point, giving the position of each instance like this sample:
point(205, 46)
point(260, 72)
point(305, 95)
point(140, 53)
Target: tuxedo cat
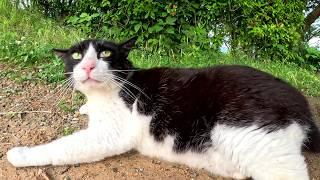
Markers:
point(233, 121)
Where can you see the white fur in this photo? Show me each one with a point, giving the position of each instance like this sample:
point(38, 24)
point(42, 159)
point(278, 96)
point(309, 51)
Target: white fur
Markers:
point(113, 129)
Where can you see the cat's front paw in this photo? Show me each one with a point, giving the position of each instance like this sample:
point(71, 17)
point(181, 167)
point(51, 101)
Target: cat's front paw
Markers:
point(17, 156)
point(84, 109)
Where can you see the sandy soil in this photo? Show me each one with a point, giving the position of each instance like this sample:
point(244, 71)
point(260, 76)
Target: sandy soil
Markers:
point(30, 128)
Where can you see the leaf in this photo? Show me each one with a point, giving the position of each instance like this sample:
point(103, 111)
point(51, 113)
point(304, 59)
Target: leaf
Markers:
point(170, 20)
point(155, 28)
point(137, 27)
point(82, 15)
point(170, 30)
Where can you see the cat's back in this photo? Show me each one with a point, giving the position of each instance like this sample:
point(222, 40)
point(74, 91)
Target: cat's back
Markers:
point(231, 94)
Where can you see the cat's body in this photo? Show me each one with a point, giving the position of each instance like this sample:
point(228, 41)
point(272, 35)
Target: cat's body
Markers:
point(233, 121)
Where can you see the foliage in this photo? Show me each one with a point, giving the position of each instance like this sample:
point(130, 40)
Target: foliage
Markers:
point(312, 58)
point(27, 43)
point(269, 29)
point(305, 80)
point(28, 38)
point(163, 24)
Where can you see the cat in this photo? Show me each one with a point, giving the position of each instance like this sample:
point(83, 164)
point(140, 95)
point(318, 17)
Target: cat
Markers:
point(231, 120)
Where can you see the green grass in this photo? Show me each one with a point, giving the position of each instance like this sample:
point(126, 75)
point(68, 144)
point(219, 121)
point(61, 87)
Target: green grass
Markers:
point(27, 38)
point(26, 41)
point(307, 81)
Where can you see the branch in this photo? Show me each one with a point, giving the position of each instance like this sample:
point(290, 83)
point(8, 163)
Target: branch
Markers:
point(311, 18)
point(22, 112)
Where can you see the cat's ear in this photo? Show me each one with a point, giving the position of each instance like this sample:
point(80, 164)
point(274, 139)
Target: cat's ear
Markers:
point(60, 52)
point(128, 45)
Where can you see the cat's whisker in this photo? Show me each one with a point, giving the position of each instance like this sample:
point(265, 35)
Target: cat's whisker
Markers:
point(125, 70)
point(132, 85)
point(126, 90)
point(64, 92)
point(67, 81)
point(61, 87)
point(129, 83)
point(58, 88)
point(68, 73)
point(56, 104)
point(122, 71)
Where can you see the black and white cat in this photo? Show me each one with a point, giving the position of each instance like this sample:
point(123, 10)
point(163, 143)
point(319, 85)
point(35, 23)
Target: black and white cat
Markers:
point(233, 121)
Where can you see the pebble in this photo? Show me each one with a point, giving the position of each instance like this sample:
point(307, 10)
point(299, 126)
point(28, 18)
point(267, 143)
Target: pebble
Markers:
point(139, 170)
point(193, 174)
point(75, 119)
point(115, 169)
point(76, 114)
point(66, 178)
point(64, 170)
point(156, 162)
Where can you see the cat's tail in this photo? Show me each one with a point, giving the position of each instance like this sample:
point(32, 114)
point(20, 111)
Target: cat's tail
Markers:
point(312, 143)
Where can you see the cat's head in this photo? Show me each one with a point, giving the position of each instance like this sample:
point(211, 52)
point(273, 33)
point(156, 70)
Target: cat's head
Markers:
point(94, 64)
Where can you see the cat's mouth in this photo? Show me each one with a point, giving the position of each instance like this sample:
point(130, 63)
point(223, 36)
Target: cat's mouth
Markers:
point(91, 80)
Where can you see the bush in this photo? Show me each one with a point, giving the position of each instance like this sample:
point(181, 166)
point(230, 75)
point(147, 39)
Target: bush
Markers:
point(312, 58)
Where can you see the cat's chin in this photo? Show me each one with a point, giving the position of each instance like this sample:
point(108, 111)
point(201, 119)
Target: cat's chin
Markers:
point(91, 85)
point(91, 81)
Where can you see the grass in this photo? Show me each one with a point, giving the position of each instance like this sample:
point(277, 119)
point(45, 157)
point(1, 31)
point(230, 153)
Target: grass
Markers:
point(307, 81)
point(27, 39)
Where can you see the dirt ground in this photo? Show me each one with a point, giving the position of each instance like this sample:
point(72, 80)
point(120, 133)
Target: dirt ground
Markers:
point(30, 128)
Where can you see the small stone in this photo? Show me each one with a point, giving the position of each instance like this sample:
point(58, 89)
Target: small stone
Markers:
point(138, 170)
point(76, 114)
point(64, 170)
point(156, 162)
point(75, 119)
point(66, 178)
point(193, 174)
point(115, 170)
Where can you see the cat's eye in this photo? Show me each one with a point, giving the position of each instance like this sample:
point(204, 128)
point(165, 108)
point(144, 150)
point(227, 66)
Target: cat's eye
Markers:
point(105, 54)
point(76, 56)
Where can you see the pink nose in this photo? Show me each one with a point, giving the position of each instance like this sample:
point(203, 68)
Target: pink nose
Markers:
point(89, 66)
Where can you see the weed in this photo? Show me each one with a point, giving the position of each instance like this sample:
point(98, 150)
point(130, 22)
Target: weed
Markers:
point(64, 106)
point(68, 131)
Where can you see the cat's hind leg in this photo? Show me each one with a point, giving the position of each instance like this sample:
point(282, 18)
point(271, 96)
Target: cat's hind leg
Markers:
point(220, 165)
point(264, 155)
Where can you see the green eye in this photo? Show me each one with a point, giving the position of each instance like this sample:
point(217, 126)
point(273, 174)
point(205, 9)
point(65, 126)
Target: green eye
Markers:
point(105, 54)
point(76, 56)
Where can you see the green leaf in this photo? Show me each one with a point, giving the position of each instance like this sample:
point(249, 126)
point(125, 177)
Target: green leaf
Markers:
point(170, 30)
point(155, 28)
point(170, 20)
point(137, 27)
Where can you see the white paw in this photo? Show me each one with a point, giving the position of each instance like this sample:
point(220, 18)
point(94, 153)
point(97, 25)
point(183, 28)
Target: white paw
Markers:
point(83, 109)
point(17, 156)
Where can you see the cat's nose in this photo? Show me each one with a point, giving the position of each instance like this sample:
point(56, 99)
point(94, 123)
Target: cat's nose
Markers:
point(89, 66)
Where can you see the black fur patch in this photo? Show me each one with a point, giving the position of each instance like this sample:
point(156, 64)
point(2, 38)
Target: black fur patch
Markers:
point(187, 103)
